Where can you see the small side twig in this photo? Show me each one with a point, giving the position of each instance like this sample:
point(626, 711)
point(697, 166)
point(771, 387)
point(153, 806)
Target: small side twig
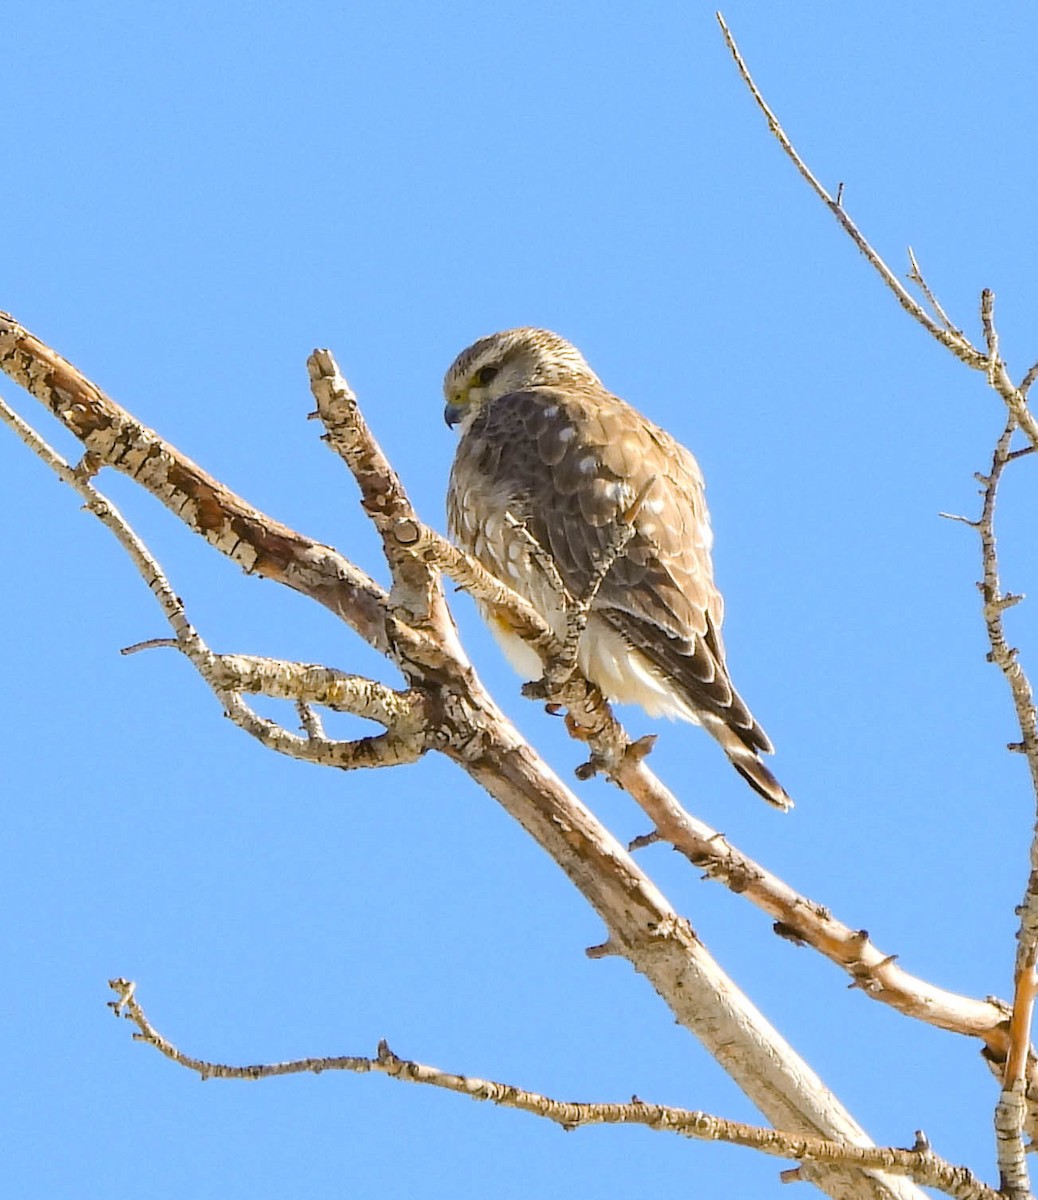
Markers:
point(1028, 380)
point(917, 277)
point(538, 553)
point(310, 722)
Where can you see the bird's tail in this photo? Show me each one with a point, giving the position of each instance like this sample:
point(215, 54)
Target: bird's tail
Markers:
point(759, 777)
point(747, 761)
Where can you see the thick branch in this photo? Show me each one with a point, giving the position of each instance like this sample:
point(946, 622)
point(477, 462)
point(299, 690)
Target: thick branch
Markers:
point(258, 543)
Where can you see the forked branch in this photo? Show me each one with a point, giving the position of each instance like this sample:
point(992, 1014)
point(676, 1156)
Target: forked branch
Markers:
point(230, 676)
point(459, 718)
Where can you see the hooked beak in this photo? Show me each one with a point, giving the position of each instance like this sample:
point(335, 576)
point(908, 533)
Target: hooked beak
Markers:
point(452, 413)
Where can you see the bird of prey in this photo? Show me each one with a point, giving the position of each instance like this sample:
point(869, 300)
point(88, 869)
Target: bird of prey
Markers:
point(549, 464)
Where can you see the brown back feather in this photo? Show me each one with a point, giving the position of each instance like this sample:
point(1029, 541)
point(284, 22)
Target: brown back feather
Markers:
point(568, 464)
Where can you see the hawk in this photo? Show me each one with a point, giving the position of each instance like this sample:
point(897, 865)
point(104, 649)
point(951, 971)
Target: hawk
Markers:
point(549, 464)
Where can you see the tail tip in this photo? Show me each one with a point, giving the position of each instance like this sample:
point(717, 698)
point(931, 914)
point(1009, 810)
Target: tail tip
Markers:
point(763, 782)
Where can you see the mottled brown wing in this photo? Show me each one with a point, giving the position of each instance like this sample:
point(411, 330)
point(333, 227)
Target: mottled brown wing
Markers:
point(568, 463)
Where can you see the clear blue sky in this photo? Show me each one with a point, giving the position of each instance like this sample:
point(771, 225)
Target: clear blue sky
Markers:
point(197, 195)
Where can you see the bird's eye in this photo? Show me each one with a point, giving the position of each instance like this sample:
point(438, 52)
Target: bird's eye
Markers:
point(485, 374)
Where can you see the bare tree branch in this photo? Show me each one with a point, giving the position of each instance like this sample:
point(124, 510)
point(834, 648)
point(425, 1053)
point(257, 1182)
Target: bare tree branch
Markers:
point(228, 677)
point(1011, 1111)
point(258, 543)
point(919, 1164)
point(471, 576)
point(995, 604)
point(413, 627)
point(941, 328)
point(998, 376)
point(1028, 380)
point(590, 717)
point(445, 707)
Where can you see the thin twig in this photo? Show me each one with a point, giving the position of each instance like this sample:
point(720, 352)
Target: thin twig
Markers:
point(538, 553)
point(996, 602)
point(1029, 377)
point(917, 277)
point(987, 322)
point(955, 342)
point(1015, 398)
point(919, 1164)
point(156, 643)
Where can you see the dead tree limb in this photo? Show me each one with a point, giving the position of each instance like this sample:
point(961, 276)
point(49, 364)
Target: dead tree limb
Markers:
point(919, 1163)
point(413, 628)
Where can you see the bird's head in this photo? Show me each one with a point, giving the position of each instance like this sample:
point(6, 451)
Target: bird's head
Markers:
point(509, 362)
